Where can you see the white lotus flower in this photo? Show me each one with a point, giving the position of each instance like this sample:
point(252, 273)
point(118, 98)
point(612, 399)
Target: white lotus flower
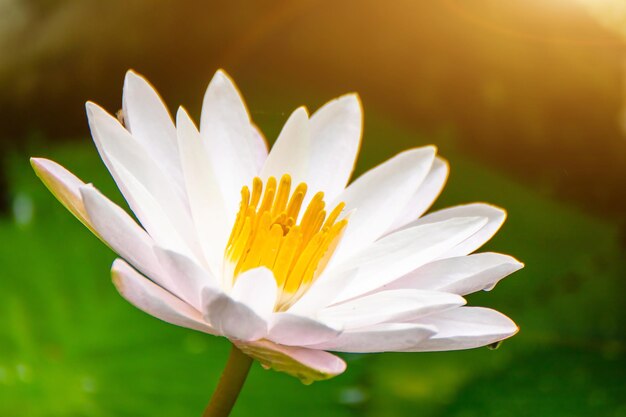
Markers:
point(276, 251)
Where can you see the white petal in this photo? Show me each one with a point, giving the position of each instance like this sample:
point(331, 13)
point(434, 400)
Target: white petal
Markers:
point(293, 330)
point(308, 365)
point(231, 318)
point(290, 153)
point(426, 194)
point(401, 252)
point(495, 215)
point(378, 196)
point(386, 337)
point(147, 118)
point(461, 275)
point(64, 185)
point(120, 232)
point(336, 130)
point(154, 300)
point(136, 173)
point(388, 306)
point(261, 148)
point(319, 294)
point(466, 328)
point(205, 198)
point(187, 278)
point(257, 289)
point(230, 138)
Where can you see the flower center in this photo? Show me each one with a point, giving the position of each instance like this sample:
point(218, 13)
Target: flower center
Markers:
point(267, 233)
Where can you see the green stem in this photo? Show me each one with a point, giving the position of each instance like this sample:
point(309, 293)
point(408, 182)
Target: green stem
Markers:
point(230, 384)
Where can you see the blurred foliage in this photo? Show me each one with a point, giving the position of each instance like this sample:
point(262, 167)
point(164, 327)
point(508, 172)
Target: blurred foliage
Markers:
point(71, 346)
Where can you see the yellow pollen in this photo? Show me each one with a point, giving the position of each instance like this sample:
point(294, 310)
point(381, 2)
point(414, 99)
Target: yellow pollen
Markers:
point(267, 233)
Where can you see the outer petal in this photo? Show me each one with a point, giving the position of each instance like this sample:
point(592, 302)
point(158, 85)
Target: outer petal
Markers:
point(151, 193)
point(230, 138)
point(64, 185)
point(293, 330)
point(306, 364)
point(378, 196)
point(243, 314)
point(205, 198)
point(495, 215)
point(154, 300)
point(290, 153)
point(388, 306)
point(426, 194)
point(466, 328)
point(147, 118)
point(386, 337)
point(460, 275)
point(401, 252)
point(336, 130)
point(120, 232)
point(187, 278)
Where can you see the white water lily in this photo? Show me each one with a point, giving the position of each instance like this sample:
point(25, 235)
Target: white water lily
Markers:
point(277, 251)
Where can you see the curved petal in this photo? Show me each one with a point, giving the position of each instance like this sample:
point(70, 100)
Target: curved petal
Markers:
point(230, 318)
point(261, 148)
point(377, 197)
point(120, 232)
point(143, 183)
point(460, 275)
point(154, 300)
point(290, 153)
point(426, 194)
point(319, 294)
point(187, 279)
point(256, 289)
point(65, 187)
point(293, 330)
point(495, 216)
point(230, 138)
point(466, 328)
point(308, 365)
point(205, 198)
point(385, 337)
point(147, 118)
point(336, 130)
point(401, 252)
point(388, 306)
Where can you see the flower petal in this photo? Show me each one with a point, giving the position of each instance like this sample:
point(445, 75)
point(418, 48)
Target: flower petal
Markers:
point(150, 193)
point(460, 275)
point(64, 185)
point(261, 148)
point(317, 296)
point(426, 194)
point(495, 216)
point(293, 330)
point(466, 328)
point(187, 278)
point(147, 118)
point(401, 252)
point(257, 289)
point(154, 300)
point(290, 153)
point(336, 130)
point(306, 364)
point(388, 306)
point(205, 197)
point(120, 232)
point(378, 196)
point(230, 318)
point(230, 138)
point(385, 337)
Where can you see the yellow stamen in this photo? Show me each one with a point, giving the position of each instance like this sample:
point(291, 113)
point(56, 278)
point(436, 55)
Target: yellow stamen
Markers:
point(267, 233)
